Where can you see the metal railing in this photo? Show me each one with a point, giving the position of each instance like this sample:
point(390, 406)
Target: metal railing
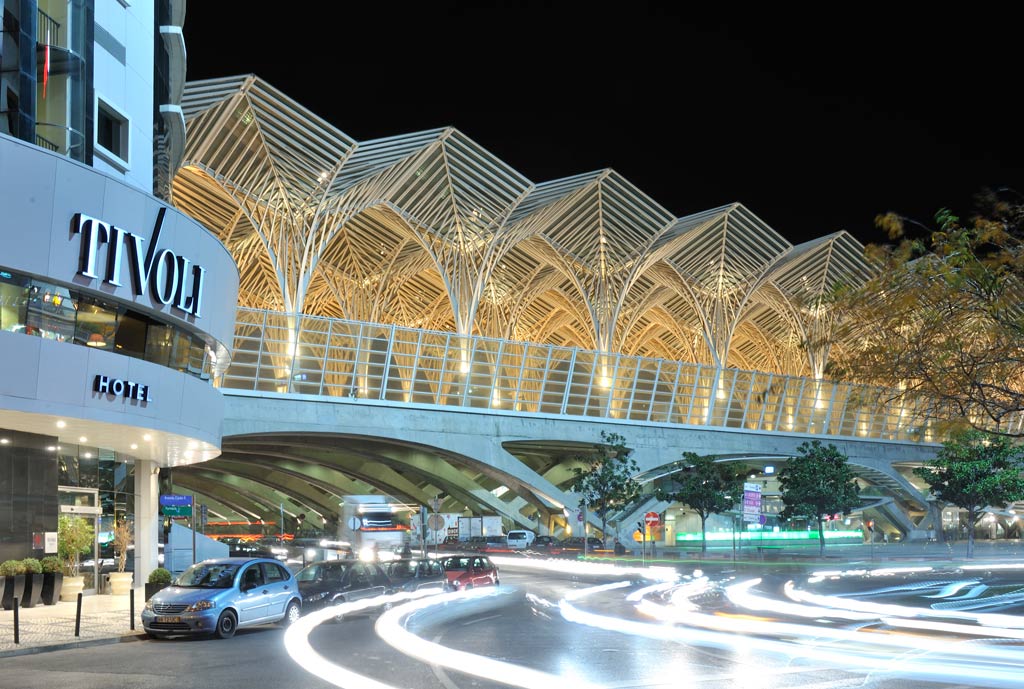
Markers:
point(308, 355)
point(47, 29)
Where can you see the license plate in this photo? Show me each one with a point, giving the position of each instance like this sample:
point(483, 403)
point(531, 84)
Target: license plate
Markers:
point(168, 619)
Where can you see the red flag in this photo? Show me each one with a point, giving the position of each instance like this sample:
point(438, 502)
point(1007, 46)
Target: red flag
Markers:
point(46, 62)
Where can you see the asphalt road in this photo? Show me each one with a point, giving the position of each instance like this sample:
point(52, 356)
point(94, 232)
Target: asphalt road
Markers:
point(522, 627)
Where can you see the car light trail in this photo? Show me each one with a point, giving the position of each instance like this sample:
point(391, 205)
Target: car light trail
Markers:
point(296, 641)
point(391, 629)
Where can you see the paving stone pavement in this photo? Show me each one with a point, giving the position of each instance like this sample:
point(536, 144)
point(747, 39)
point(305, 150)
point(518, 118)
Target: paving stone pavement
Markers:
point(105, 619)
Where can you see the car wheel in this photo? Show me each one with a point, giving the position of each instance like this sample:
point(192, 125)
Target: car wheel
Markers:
point(338, 601)
point(226, 625)
point(496, 581)
point(291, 614)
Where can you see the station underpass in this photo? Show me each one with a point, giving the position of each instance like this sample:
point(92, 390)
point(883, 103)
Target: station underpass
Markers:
point(260, 476)
point(284, 460)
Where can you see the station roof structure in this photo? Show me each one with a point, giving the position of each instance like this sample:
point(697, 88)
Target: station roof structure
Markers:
point(430, 230)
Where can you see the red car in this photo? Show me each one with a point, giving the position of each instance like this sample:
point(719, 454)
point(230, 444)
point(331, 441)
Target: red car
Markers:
point(467, 571)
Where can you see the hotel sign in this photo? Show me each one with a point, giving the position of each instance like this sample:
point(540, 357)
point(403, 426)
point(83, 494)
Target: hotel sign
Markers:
point(121, 388)
point(170, 279)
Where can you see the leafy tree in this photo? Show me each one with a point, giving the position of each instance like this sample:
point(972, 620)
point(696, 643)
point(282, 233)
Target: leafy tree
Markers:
point(75, 537)
point(943, 318)
point(604, 480)
point(707, 487)
point(974, 470)
point(817, 482)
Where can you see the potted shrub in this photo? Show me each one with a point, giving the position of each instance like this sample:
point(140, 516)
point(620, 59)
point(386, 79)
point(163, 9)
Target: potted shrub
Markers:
point(13, 574)
point(75, 536)
point(121, 581)
point(159, 578)
point(53, 579)
point(33, 582)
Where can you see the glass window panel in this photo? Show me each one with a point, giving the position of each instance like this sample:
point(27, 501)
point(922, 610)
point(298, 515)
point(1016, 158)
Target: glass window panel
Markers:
point(13, 302)
point(159, 340)
point(97, 324)
point(131, 335)
point(50, 311)
point(88, 468)
point(68, 470)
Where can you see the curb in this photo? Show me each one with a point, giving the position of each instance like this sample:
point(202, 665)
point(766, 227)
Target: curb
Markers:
point(45, 648)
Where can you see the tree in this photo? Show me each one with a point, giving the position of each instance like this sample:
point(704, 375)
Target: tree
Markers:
point(975, 470)
point(75, 537)
point(122, 539)
point(604, 480)
point(816, 483)
point(943, 319)
point(707, 487)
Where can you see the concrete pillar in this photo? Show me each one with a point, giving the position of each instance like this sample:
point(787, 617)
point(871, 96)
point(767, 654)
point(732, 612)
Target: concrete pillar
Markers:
point(147, 519)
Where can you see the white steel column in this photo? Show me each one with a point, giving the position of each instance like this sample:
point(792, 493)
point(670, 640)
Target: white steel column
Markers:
point(147, 519)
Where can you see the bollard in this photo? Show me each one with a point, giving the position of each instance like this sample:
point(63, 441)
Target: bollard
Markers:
point(131, 607)
point(17, 638)
point(78, 616)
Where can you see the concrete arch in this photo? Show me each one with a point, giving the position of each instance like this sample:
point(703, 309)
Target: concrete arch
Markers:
point(420, 451)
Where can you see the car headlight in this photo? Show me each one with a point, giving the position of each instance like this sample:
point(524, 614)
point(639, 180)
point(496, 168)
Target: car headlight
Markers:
point(315, 597)
point(149, 605)
point(201, 605)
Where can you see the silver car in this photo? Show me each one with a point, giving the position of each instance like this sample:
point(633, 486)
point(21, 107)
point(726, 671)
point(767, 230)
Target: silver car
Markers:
point(222, 596)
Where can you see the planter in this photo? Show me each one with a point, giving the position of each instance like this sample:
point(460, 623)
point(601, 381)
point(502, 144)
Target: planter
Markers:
point(120, 583)
point(33, 590)
point(151, 589)
point(71, 587)
point(52, 583)
point(14, 587)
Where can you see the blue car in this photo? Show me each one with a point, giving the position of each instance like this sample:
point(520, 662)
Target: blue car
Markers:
point(222, 596)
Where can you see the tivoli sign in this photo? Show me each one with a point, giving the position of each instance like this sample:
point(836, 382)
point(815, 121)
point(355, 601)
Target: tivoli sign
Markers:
point(170, 279)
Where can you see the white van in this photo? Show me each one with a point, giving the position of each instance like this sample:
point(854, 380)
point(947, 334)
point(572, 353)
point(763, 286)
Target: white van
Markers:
point(520, 538)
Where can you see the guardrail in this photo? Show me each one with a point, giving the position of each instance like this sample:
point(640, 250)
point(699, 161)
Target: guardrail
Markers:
point(284, 354)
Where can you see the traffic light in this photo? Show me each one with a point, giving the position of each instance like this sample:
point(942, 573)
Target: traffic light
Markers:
point(640, 528)
point(871, 525)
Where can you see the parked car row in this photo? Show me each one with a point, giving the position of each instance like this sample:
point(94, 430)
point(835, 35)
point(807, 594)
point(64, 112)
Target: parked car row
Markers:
point(223, 595)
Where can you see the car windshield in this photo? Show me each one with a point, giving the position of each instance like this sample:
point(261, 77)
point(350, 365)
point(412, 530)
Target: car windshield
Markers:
point(456, 563)
point(317, 572)
point(401, 569)
point(208, 575)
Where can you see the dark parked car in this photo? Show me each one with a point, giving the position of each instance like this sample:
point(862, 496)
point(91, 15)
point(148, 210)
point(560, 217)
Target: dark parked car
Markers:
point(576, 543)
point(468, 571)
point(220, 596)
point(412, 574)
point(544, 542)
point(330, 582)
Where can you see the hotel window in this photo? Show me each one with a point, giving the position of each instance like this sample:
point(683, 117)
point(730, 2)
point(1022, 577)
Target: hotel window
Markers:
point(112, 129)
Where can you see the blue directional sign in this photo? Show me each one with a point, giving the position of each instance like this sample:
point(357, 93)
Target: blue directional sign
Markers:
point(176, 505)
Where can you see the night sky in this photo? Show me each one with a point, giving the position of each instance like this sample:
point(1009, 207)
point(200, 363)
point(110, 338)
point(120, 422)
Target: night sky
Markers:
point(817, 121)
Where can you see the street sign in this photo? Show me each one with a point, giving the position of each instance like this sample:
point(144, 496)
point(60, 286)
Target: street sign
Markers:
point(752, 502)
point(176, 510)
point(435, 522)
point(175, 500)
point(652, 519)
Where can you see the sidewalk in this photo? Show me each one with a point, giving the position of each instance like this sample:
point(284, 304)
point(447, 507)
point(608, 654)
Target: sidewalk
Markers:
point(105, 619)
